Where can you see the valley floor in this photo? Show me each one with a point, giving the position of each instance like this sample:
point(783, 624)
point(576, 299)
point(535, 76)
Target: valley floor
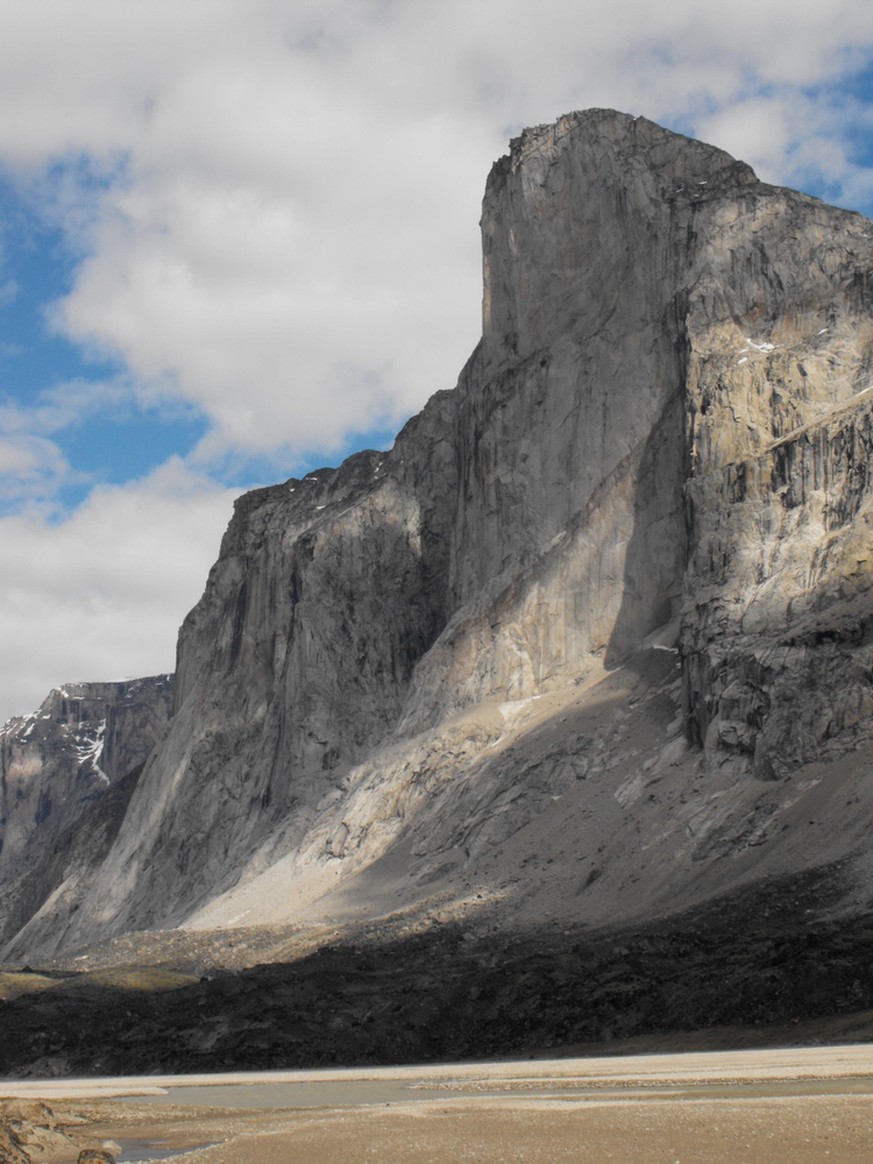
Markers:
point(799, 1105)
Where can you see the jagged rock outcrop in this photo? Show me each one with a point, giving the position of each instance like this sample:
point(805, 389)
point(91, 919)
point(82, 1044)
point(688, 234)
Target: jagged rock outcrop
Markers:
point(30, 1131)
point(776, 636)
point(57, 761)
point(58, 764)
point(591, 603)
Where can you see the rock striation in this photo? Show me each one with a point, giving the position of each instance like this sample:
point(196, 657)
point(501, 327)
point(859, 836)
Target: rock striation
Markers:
point(606, 602)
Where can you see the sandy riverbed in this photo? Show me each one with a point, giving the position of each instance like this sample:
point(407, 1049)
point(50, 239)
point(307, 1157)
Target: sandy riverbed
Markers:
point(799, 1106)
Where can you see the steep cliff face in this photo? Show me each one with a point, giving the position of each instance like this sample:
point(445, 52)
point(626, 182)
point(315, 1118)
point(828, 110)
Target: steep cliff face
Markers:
point(54, 763)
point(776, 645)
point(592, 595)
point(327, 592)
point(570, 530)
point(64, 765)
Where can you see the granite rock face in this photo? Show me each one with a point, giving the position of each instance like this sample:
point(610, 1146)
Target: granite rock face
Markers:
point(661, 442)
point(66, 774)
point(56, 762)
point(775, 637)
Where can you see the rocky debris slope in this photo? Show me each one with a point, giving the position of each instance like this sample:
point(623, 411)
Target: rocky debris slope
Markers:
point(449, 994)
point(591, 641)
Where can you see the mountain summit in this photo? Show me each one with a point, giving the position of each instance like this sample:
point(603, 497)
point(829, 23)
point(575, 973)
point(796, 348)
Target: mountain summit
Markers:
point(592, 643)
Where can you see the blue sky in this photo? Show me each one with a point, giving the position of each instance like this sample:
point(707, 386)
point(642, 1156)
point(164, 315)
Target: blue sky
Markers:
point(238, 239)
point(82, 396)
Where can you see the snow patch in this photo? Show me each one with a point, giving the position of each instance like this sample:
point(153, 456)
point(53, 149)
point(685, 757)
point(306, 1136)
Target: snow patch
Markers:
point(89, 750)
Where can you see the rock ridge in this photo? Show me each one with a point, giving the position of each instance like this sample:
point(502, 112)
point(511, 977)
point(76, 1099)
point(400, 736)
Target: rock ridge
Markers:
point(83, 738)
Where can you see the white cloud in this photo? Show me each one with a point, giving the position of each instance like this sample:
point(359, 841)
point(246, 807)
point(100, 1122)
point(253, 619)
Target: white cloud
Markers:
point(256, 291)
point(273, 210)
point(32, 469)
point(33, 466)
point(64, 405)
point(100, 594)
point(26, 456)
point(301, 182)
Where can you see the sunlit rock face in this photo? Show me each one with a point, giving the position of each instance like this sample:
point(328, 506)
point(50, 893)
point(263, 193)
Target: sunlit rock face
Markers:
point(776, 636)
point(570, 535)
point(661, 442)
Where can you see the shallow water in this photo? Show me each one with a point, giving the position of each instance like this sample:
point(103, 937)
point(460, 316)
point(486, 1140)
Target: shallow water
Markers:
point(384, 1092)
point(615, 1089)
point(140, 1150)
point(317, 1093)
point(624, 1097)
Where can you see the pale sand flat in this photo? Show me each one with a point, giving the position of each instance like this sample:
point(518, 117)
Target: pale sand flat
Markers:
point(797, 1105)
point(805, 1130)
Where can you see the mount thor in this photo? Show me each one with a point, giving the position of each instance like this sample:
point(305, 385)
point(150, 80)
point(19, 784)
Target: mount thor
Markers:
point(550, 725)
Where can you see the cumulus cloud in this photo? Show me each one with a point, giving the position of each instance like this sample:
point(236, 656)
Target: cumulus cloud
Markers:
point(284, 231)
point(32, 470)
point(63, 405)
point(28, 456)
point(99, 595)
point(33, 467)
point(271, 211)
